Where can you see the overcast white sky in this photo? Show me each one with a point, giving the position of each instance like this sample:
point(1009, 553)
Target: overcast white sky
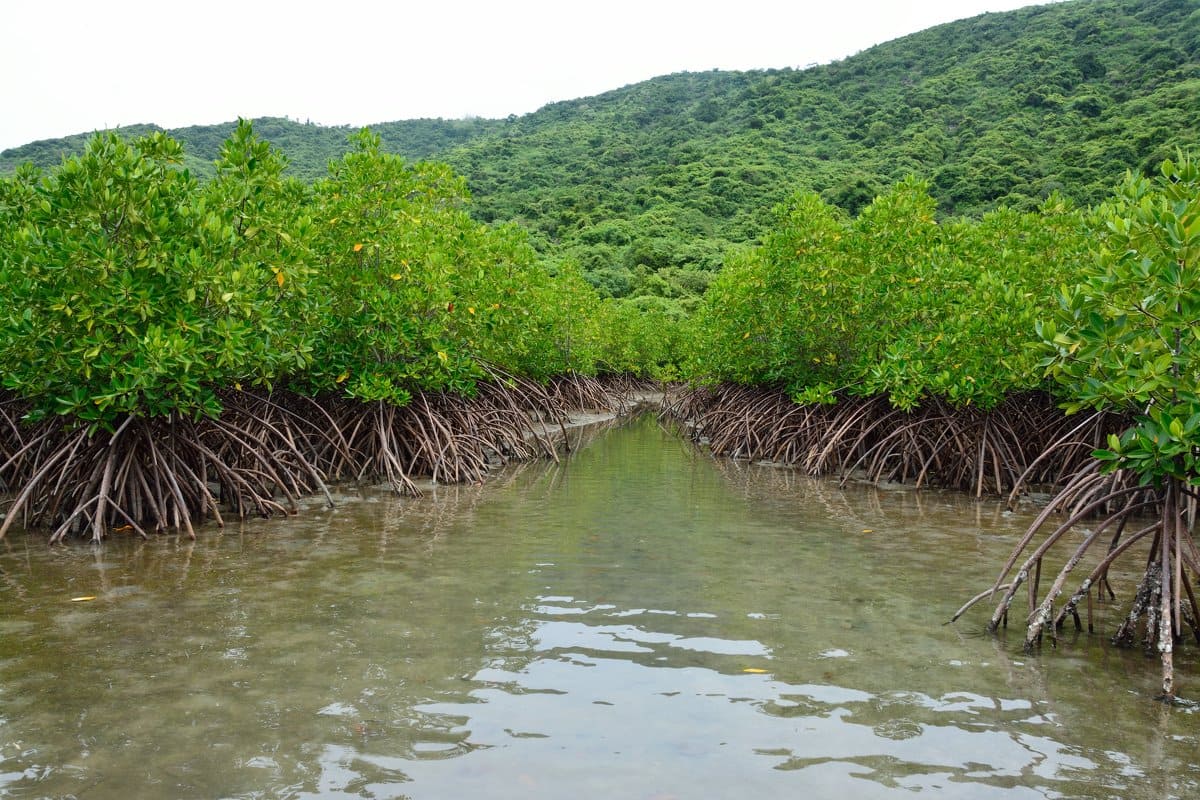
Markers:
point(68, 66)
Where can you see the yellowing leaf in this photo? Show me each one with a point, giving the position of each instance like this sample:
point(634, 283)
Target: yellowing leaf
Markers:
point(442, 356)
point(279, 279)
point(83, 599)
point(342, 378)
point(357, 247)
point(746, 335)
point(396, 276)
point(470, 309)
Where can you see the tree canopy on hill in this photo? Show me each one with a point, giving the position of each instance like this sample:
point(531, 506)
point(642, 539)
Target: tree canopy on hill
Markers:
point(649, 186)
point(308, 147)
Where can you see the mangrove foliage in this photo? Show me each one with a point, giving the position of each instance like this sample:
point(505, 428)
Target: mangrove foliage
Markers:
point(173, 348)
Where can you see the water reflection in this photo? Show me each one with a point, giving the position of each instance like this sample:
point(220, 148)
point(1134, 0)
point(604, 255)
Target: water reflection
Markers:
point(637, 621)
point(620, 695)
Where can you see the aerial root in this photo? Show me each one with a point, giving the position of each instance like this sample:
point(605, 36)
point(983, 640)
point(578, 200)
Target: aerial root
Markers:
point(1024, 441)
point(269, 449)
point(1163, 602)
point(149, 474)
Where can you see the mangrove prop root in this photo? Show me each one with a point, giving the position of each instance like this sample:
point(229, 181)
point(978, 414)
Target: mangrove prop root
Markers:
point(268, 449)
point(155, 473)
point(1163, 601)
point(1024, 441)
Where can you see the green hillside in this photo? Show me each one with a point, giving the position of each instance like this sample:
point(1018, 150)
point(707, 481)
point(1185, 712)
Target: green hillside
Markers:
point(309, 147)
point(999, 109)
point(648, 186)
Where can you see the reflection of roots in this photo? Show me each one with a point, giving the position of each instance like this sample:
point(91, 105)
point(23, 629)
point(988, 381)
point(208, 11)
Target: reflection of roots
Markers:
point(1023, 441)
point(265, 451)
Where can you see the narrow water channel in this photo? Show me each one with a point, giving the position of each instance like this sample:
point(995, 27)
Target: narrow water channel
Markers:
point(637, 622)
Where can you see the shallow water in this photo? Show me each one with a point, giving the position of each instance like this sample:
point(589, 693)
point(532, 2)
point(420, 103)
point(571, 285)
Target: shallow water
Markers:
point(639, 622)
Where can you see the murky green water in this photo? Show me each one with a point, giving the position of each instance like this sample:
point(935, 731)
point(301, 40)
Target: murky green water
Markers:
point(637, 623)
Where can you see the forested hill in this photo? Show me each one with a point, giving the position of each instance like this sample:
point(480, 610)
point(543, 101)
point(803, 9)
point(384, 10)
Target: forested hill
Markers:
point(650, 184)
point(309, 147)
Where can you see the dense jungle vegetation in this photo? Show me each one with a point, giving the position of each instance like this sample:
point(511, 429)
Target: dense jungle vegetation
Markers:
point(649, 186)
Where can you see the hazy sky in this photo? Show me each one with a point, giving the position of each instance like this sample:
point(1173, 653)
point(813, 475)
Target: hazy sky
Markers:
point(68, 66)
